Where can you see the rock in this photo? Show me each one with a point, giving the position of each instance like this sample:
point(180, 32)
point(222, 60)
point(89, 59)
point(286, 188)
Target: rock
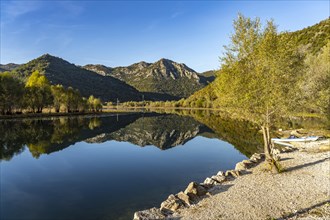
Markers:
point(247, 162)
point(233, 173)
point(219, 179)
point(194, 190)
point(257, 157)
point(220, 173)
point(240, 166)
point(254, 160)
point(209, 181)
point(184, 198)
point(152, 213)
point(172, 203)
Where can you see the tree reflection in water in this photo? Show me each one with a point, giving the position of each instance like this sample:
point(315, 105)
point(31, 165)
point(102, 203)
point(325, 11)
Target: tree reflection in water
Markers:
point(44, 136)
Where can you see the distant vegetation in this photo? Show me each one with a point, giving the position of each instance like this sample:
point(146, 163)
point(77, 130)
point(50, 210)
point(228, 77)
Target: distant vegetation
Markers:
point(8, 67)
point(37, 94)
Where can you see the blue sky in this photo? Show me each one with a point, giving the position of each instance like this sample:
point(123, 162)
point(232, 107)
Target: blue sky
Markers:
point(119, 33)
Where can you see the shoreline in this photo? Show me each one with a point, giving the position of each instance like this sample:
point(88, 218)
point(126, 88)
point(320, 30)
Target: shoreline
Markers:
point(243, 193)
point(63, 114)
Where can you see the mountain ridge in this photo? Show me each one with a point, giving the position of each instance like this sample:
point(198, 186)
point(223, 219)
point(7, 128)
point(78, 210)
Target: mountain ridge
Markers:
point(60, 71)
point(162, 80)
point(163, 76)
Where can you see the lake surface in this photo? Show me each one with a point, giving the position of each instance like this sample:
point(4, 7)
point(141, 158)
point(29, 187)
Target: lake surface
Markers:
point(109, 167)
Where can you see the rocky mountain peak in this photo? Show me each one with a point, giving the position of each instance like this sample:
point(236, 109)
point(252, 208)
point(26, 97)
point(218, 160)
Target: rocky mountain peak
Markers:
point(98, 68)
point(170, 69)
point(140, 65)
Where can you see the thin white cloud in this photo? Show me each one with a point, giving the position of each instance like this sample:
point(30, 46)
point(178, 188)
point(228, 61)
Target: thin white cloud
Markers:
point(14, 9)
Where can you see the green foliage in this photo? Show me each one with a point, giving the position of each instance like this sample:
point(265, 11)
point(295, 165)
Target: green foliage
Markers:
point(59, 95)
point(315, 91)
point(11, 91)
point(293, 87)
point(38, 92)
point(94, 104)
point(312, 39)
point(259, 70)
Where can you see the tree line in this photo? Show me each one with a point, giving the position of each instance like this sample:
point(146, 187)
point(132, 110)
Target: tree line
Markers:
point(37, 93)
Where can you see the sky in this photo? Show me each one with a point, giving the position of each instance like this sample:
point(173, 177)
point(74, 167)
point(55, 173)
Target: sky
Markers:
point(120, 33)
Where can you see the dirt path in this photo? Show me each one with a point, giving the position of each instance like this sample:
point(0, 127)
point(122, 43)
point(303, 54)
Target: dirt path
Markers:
point(301, 192)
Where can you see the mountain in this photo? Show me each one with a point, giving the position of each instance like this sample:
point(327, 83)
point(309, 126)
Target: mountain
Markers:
point(59, 71)
point(162, 80)
point(209, 76)
point(162, 77)
point(8, 67)
point(313, 38)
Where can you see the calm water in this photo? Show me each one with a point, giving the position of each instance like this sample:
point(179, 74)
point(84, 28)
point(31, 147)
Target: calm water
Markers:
point(108, 167)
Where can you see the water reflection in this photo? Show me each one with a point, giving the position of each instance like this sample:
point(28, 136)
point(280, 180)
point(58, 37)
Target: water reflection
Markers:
point(103, 173)
point(44, 136)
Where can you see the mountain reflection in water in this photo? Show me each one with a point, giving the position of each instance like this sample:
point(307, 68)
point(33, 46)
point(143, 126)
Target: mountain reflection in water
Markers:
point(44, 136)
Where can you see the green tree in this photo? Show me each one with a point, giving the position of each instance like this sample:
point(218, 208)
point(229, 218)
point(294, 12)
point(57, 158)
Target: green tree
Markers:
point(258, 74)
point(59, 95)
point(11, 93)
point(38, 92)
point(72, 99)
point(94, 104)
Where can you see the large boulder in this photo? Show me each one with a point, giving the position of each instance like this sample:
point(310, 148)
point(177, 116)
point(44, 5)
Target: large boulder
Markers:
point(209, 181)
point(232, 173)
point(219, 179)
point(148, 214)
point(240, 166)
point(184, 197)
point(171, 204)
point(194, 191)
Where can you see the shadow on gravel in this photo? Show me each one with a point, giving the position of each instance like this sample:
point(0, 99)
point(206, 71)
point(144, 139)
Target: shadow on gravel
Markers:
point(219, 189)
point(303, 211)
point(305, 165)
point(284, 159)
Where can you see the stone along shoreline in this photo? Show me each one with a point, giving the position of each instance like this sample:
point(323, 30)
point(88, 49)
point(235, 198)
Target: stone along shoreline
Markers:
point(251, 192)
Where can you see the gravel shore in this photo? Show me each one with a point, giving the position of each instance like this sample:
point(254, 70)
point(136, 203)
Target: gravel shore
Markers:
point(302, 191)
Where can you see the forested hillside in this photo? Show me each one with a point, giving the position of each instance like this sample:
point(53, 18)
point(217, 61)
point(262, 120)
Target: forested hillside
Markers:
point(59, 71)
point(289, 70)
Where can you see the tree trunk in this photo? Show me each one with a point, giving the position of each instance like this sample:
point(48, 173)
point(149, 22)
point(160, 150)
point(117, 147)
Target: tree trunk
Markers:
point(268, 146)
point(267, 149)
